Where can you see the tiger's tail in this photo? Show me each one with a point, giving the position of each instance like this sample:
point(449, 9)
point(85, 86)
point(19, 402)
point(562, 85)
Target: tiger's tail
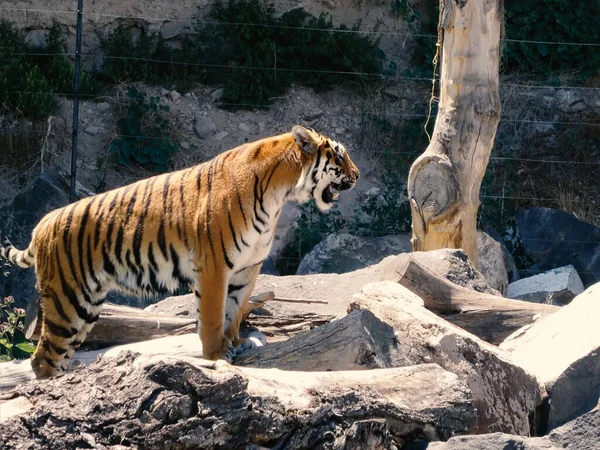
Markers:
point(22, 258)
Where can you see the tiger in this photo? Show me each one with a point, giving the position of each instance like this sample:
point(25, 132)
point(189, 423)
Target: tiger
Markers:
point(209, 226)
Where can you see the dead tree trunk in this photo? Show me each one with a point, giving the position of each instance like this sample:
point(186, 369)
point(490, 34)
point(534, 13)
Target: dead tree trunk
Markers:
point(444, 182)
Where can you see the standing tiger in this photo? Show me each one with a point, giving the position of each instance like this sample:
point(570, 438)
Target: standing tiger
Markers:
point(210, 226)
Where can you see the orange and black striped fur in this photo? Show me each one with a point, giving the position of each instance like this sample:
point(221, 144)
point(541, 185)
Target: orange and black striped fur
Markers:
point(210, 226)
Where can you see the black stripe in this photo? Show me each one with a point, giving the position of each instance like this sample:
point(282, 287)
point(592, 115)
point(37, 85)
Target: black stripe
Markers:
point(90, 262)
point(109, 267)
point(50, 362)
point(153, 281)
point(237, 193)
point(176, 270)
point(227, 261)
point(119, 245)
point(235, 287)
point(82, 261)
point(162, 241)
point(99, 222)
point(209, 186)
point(56, 349)
point(59, 330)
point(167, 201)
point(257, 198)
point(139, 229)
point(73, 299)
point(182, 212)
point(132, 267)
point(249, 266)
point(151, 257)
point(57, 305)
point(233, 232)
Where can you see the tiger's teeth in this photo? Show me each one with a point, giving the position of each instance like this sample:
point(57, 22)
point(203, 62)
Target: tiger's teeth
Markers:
point(335, 196)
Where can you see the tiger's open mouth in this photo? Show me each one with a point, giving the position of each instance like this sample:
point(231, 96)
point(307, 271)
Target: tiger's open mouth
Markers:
point(331, 192)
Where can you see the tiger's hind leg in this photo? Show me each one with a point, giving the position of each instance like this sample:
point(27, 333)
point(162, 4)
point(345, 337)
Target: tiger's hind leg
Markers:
point(63, 330)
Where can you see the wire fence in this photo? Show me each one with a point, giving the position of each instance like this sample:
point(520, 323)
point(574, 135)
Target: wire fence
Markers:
point(507, 169)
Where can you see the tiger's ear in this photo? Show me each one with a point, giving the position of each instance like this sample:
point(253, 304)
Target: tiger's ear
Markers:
point(307, 140)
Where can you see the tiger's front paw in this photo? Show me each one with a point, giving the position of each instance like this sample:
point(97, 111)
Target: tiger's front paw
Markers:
point(255, 339)
point(229, 354)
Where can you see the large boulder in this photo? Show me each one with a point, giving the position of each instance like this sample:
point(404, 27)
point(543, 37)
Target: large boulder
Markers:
point(579, 434)
point(505, 395)
point(342, 252)
point(48, 191)
point(563, 351)
point(556, 287)
point(553, 238)
point(492, 261)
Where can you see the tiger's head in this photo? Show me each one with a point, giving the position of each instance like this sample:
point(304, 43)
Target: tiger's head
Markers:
point(328, 171)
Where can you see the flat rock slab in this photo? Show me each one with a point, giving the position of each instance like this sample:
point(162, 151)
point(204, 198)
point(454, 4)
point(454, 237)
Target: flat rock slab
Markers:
point(556, 287)
point(563, 351)
point(186, 403)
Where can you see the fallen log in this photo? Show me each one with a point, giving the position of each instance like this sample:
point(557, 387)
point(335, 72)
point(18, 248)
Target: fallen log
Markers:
point(179, 402)
point(124, 324)
point(120, 324)
point(490, 317)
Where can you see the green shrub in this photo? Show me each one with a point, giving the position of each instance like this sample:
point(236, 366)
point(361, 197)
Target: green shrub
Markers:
point(149, 58)
point(552, 21)
point(278, 55)
point(146, 138)
point(12, 340)
point(31, 76)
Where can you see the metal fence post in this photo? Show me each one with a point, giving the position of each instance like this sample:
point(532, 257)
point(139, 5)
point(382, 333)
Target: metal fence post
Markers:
point(76, 100)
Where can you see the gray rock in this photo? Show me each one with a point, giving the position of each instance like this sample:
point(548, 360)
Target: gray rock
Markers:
point(553, 238)
point(563, 351)
point(504, 394)
point(314, 115)
point(48, 191)
point(557, 287)
point(341, 252)
point(509, 263)
point(217, 95)
point(268, 267)
point(204, 127)
point(169, 30)
point(102, 106)
point(492, 263)
point(221, 135)
point(37, 38)
point(579, 434)
point(175, 96)
point(493, 441)
point(244, 127)
point(93, 131)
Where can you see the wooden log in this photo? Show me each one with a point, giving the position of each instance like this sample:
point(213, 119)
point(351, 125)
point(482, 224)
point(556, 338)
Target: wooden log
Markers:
point(120, 324)
point(149, 402)
point(356, 341)
point(124, 324)
point(490, 317)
